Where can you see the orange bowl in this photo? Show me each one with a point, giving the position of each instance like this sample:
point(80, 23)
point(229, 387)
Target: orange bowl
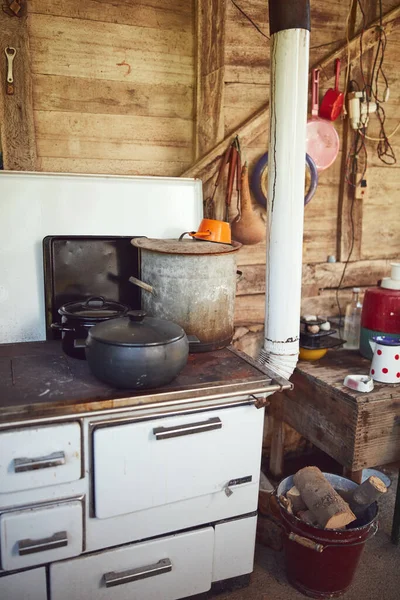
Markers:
point(312, 354)
point(212, 230)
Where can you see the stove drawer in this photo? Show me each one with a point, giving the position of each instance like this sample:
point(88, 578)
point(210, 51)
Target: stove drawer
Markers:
point(40, 535)
point(28, 585)
point(138, 466)
point(39, 457)
point(164, 569)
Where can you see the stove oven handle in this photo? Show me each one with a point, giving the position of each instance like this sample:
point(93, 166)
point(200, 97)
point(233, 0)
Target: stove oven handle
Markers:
point(163, 433)
point(114, 578)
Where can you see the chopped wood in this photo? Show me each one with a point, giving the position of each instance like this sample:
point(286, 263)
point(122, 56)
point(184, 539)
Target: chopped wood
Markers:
point(307, 517)
point(286, 503)
point(367, 493)
point(329, 508)
point(295, 498)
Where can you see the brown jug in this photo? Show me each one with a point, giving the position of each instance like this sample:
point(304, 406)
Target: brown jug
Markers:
point(247, 228)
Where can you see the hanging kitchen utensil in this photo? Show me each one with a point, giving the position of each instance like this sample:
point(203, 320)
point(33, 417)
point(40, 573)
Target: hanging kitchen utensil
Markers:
point(10, 53)
point(248, 227)
point(230, 157)
point(232, 173)
point(322, 140)
point(257, 181)
point(137, 351)
point(332, 102)
point(224, 161)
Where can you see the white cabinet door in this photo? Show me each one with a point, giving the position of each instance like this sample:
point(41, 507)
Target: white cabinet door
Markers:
point(39, 456)
point(234, 548)
point(156, 462)
point(36, 536)
point(164, 569)
point(27, 585)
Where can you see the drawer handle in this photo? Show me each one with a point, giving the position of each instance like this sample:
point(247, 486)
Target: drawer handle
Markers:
point(42, 462)
point(58, 540)
point(163, 433)
point(118, 578)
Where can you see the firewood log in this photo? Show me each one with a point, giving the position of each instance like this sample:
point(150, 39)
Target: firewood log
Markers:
point(330, 510)
point(295, 498)
point(308, 517)
point(286, 503)
point(367, 493)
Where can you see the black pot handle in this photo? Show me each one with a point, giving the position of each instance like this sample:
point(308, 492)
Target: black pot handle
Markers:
point(60, 327)
point(79, 343)
point(95, 299)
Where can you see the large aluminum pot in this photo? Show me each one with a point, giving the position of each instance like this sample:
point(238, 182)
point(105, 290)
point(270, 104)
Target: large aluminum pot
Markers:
point(192, 283)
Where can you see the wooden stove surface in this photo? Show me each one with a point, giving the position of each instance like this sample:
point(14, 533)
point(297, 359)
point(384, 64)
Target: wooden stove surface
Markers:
point(38, 380)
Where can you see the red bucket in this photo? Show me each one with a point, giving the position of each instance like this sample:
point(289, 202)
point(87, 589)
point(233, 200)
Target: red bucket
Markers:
point(321, 563)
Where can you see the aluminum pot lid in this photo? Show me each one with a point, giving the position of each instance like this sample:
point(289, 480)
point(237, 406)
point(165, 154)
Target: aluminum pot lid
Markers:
point(188, 247)
point(94, 308)
point(136, 329)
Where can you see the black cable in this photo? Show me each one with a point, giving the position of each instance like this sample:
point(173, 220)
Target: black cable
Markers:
point(357, 147)
point(249, 19)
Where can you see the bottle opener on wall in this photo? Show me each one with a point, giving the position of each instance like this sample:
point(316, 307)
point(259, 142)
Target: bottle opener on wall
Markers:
point(10, 53)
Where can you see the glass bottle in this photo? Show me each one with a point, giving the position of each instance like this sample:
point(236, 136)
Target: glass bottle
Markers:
point(352, 322)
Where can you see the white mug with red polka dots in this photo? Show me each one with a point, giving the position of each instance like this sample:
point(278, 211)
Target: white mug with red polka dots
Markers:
point(385, 366)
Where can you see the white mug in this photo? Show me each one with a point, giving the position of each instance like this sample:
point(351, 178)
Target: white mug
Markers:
point(385, 366)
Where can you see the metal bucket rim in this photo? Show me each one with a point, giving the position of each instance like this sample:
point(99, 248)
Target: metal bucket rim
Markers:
point(338, 532)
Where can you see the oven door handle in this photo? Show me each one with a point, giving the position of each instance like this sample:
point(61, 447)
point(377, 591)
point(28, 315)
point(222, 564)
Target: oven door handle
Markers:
point(56, 459)
point(118, 578)
point(163, 433)
point(28, 546)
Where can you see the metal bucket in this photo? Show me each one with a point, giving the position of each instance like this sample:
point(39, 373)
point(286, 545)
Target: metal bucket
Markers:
point(321, 563)
point(193, 284)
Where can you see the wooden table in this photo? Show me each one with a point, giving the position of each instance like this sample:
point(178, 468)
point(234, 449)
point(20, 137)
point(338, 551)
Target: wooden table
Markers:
point(359, 430)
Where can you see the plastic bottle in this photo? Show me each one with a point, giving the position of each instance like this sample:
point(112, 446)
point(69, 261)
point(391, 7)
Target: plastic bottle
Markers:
point(352, 322)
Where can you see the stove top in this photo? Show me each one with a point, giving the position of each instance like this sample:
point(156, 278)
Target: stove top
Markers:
point(37, 380)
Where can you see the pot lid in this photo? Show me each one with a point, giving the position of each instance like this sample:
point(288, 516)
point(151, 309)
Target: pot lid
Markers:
point(137, 329)
point(188, 247)
point(95, 307)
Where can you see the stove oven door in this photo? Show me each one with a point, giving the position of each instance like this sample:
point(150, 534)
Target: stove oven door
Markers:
point(147, 464)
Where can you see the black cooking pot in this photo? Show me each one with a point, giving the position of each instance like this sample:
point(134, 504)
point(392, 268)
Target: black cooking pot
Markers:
point(137, 351)
point(77, 318)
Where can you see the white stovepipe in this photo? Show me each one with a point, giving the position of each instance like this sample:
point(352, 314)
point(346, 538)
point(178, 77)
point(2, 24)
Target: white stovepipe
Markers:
point(285, 209)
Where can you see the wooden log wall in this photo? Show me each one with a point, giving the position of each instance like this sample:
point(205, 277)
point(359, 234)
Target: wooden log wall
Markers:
point(113, 85)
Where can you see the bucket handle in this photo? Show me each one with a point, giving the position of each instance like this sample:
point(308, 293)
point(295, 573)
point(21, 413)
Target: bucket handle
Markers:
point(143, 285)
point(307, 543)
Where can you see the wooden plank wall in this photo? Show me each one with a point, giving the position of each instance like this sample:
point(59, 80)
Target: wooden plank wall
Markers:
point(113, 85)
point(246, 90)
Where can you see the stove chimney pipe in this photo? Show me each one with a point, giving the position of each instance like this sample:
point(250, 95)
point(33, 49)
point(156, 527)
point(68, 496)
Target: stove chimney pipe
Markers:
point(290, 31)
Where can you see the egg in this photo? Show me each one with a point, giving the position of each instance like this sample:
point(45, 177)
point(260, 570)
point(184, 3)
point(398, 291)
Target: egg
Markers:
point(313, 328)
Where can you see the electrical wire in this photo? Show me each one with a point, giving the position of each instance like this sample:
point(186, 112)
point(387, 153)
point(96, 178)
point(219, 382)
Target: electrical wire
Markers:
point(374, 139)
point(249, 19)
point(352, 170)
